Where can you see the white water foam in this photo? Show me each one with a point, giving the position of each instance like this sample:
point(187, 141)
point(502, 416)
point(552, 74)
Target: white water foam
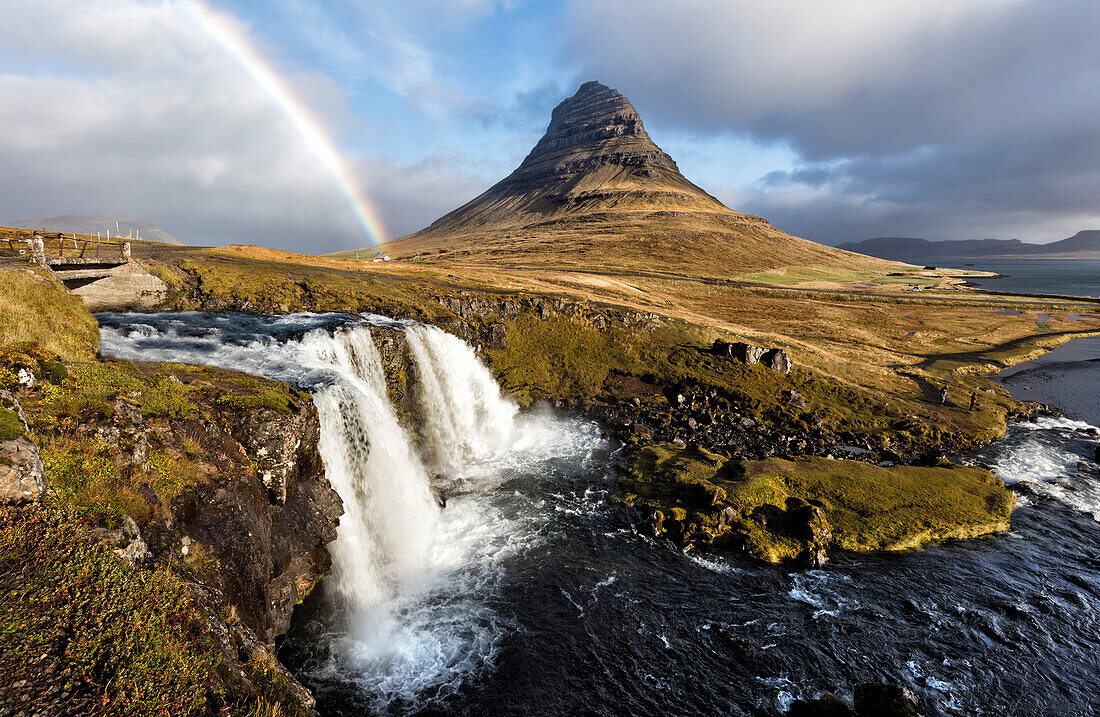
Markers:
point(414, 585)
point(1038, 457)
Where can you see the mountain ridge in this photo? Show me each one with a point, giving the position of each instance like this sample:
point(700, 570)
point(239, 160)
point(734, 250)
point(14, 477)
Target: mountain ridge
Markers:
point(90, 224)
point(596, 190)
point(1084, 244)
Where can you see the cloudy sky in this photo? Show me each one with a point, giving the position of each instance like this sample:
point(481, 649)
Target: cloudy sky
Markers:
point(837, 121)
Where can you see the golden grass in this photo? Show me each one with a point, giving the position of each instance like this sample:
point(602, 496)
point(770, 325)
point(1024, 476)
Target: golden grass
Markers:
point(33, 309)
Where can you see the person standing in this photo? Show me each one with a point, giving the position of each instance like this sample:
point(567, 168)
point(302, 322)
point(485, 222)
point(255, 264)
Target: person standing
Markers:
point(943, 396)
point(974, 401)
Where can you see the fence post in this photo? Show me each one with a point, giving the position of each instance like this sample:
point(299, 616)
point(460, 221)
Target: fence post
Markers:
point(38, 250)
point(126, 252)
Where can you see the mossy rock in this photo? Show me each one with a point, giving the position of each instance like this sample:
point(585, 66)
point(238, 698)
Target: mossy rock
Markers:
point(777, 510)
point(10, 425)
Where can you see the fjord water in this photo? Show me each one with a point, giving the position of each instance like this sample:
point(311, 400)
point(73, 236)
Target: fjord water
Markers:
point(529, 593)
point(1067, 277)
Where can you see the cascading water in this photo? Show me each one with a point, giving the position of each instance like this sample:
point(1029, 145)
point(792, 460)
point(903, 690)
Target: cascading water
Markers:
point(465, 416)
point(390, 518)
point(410, 593)
point(529, 593)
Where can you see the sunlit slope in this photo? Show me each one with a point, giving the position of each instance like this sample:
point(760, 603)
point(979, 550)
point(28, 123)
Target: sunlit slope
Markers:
point(597, 193)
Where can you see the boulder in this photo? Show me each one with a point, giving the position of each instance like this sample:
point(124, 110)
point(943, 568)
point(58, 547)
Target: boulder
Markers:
point(813, 528)
point(777, 360)
point(794, 400)
point(745, 353)
point(22, 472)
point(126, 540)
point(826, 705)
point(882, 700)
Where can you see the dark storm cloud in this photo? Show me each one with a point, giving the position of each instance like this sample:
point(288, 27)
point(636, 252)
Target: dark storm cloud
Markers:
point(947, 117)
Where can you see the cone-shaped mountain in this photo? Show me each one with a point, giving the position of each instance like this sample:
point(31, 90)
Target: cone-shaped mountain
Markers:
point(597, 192)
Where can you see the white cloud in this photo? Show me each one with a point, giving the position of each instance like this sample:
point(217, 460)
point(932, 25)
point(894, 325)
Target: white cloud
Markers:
point(942, 114)
point(139, 113)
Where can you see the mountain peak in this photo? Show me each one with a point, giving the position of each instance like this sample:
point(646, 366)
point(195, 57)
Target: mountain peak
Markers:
point(596, 190)
point(596, 126)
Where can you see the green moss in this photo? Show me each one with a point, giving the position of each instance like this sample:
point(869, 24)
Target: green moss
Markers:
point(134, 637)
point(10, 425)
point(868, 507)
point(170, 476)
point(875, 508)
point(273, 688)
point(566, 356)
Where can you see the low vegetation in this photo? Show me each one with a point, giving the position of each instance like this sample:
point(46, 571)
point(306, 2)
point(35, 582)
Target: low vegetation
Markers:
point(866, 507)
point(116, 639)
point(35, 311)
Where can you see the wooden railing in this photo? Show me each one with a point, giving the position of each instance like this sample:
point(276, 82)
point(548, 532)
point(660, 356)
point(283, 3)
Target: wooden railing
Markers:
point(81, 246)
point(59, 249)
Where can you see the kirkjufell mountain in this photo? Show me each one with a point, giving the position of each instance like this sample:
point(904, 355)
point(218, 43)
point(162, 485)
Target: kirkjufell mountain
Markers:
point(597, 192)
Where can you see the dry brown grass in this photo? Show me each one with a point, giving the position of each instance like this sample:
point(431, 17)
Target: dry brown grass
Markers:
point(34, 309)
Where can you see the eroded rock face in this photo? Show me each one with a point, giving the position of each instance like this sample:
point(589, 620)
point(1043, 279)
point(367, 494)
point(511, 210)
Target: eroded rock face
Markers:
point(22, 473)
point(596, 126)
point(268, 533)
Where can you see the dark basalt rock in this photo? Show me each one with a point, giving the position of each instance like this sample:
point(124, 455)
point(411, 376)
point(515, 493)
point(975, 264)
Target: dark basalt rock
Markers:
point(267, 534)
point(827, 705)
point(882, 700)
point(813, 528)
point(871, 700)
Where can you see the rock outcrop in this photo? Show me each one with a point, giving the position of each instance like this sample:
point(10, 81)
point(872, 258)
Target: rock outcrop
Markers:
point(871, 699)
point(776, 359)
point(213, 474)
point(22, 473)
point(798, 511)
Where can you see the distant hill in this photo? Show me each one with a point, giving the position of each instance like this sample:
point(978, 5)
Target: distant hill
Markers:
point(597, 193)
point(88, 224)
point(1082, 245)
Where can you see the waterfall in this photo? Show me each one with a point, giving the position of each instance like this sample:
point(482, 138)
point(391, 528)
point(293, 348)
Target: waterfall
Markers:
point(390, 515)
point(465, 416)
point(410, 582)
point(411, 611)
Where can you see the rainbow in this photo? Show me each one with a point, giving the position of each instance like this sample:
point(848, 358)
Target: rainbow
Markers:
point(226, 34)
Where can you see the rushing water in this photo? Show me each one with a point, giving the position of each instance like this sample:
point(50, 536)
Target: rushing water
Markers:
point(530, 594)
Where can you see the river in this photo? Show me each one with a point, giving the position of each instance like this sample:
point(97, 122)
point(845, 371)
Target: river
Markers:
point(529, 593)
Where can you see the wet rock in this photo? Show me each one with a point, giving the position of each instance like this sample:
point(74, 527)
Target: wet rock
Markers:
point(728, 516)
point(826, 705)
point(812, 527)
point(22, 472)
point(777, 360)
point(882, 700)
point(654, 524)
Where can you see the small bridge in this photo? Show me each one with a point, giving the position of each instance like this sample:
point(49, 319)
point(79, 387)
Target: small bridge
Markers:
point(76, 262)
point(102, 273)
